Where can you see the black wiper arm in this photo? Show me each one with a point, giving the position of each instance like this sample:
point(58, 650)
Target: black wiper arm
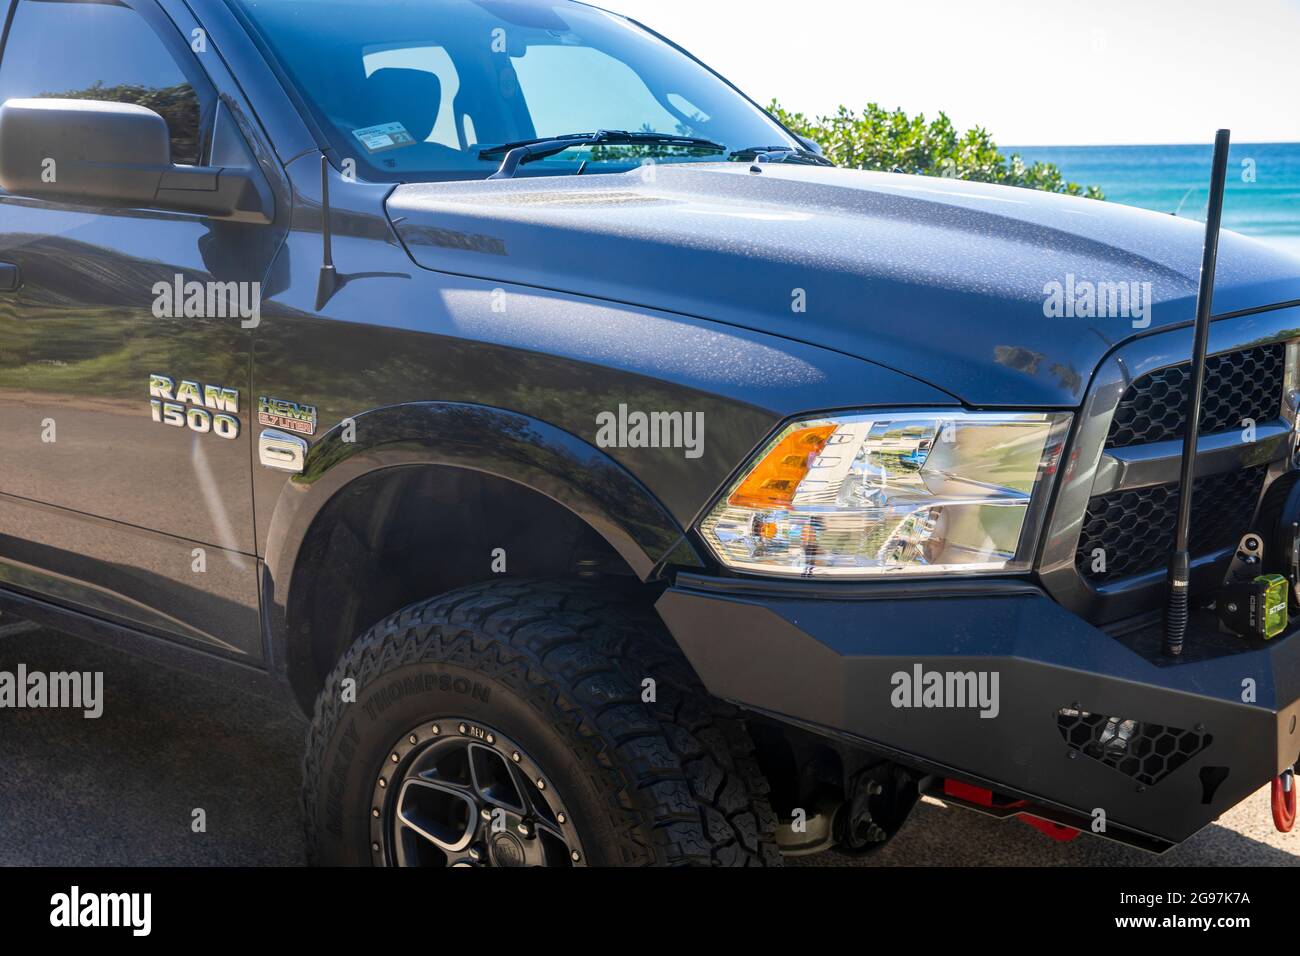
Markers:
point(487, 152)
point(781, 154)
point(519, 153)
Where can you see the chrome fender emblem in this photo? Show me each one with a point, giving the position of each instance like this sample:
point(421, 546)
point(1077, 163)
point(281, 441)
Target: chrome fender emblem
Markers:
point(200, 408)
point(289, 416)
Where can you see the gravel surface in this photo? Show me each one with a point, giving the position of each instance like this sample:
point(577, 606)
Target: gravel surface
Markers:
point(122, 790)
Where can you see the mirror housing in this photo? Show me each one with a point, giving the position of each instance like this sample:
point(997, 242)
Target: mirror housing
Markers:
point(116, 154)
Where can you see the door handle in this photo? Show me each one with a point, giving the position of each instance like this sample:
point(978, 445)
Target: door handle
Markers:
point(283, 452)
point(10, 277)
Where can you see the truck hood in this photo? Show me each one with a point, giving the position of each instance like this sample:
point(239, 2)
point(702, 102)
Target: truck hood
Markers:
point(997, 295)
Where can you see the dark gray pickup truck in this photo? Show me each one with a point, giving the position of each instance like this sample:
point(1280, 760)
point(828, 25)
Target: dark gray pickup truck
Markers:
point(614, 479)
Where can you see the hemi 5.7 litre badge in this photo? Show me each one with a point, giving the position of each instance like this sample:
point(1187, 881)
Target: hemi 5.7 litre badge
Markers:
point(289, 416)
point(201, 408)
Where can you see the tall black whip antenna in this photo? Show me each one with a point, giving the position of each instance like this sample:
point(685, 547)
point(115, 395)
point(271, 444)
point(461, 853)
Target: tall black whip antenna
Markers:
point(1176, 615)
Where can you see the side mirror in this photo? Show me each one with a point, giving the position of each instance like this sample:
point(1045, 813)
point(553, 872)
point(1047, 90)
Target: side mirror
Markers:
point(811, 145)
point(115, 154)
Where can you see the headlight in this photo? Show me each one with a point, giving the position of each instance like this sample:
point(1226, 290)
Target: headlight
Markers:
point(881, 493)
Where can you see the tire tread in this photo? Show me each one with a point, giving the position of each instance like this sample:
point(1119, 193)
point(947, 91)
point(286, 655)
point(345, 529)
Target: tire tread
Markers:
point(683, 784)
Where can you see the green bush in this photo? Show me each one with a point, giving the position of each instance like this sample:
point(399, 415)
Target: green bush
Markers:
point(178, 105)
point(895, 142)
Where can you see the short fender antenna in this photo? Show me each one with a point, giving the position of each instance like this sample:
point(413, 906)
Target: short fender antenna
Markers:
point(1177, 612)
point(329, 278)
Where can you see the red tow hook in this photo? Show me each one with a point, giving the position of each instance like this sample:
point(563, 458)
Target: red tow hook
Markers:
point(1284, 801)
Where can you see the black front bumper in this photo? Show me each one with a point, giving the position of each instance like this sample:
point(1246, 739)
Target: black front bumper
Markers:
point(1213, 730)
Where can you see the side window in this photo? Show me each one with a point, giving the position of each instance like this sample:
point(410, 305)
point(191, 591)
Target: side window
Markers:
point(93, 50)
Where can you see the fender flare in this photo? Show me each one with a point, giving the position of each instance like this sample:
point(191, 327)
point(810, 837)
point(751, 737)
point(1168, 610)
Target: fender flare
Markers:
point(492, 441)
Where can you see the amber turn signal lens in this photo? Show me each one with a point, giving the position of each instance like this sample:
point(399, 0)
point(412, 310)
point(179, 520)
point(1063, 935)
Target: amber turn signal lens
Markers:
point(773, 481)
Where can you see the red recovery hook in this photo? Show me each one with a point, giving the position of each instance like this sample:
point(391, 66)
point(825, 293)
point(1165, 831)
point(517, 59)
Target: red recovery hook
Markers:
point(1284, 801)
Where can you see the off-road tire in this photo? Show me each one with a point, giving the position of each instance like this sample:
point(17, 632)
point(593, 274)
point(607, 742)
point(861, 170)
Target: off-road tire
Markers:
point(653, 770)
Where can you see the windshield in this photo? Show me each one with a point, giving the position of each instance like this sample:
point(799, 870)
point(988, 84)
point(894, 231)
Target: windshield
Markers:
point(419, 89)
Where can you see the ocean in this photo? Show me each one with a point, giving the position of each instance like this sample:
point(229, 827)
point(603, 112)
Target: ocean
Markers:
point(1263, 192)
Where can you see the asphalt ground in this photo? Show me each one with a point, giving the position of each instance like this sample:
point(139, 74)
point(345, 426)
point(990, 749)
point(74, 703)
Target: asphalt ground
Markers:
point(123, 789)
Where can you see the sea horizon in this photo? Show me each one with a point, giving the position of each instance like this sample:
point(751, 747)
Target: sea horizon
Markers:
point(1207, 146)
point(1263, 190)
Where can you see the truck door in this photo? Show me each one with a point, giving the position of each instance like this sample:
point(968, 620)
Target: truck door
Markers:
point(125, 341)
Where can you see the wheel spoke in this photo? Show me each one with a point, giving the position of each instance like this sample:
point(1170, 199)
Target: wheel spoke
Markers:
point(494, 779)
point(444, 815)
point(546, 826)
point(534, 800)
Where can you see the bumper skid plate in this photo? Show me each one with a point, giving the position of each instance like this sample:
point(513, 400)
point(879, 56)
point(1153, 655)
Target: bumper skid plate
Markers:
point(1004, 688)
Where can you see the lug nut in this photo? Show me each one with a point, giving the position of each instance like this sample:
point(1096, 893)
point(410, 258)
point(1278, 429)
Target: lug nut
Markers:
point(375, 847)
point(413, 739)
point(486, 814)
point(515, 757)
point(524, 829)
point(396, 758)
point(561, 817)
point(541, 784)
point(462, 728)
point(474, 853)
point(436, 729)
point(382, 783)
point(374, 812)
point(575, 856)
point(491, 738)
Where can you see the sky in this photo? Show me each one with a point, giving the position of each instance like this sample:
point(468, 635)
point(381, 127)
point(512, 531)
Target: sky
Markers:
point(1032, 72)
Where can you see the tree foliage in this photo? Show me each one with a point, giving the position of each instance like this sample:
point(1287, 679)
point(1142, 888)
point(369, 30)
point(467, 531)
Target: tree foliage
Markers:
point(895, 142)
point(178, 105)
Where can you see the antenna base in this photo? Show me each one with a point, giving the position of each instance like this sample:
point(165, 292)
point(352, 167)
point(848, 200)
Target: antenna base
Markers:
point(326, 286)
point(1177, 611)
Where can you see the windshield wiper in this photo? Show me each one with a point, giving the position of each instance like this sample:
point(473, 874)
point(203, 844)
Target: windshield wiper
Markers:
point(780, 154)
point(516, 154)
point(487, 152)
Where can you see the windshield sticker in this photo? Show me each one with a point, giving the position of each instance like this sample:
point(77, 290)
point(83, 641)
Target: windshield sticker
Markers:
point(376, 139)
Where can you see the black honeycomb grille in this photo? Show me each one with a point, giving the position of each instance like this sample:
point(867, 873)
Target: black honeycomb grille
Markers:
point(1238, 386)
point(1146, 752)
point(1134, 530)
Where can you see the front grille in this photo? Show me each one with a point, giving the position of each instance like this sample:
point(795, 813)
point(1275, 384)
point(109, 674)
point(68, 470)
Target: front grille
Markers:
point(1134, 530)
point(1238, 386)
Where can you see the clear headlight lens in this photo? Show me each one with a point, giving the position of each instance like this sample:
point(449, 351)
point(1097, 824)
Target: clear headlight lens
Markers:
point(892, 493)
